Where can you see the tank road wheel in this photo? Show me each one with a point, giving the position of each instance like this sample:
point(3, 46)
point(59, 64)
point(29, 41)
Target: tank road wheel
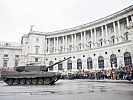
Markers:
point(22, 81)
point(40, 81)
point(10, 81)
point(46, 81)
point(34, 81)
point(28, 81)
point(16, 81)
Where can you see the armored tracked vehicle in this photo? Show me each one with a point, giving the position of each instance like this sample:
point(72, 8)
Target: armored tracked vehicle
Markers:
point(31, 74)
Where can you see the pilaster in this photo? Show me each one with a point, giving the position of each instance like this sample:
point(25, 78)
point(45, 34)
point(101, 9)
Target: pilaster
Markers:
point(107, 37)
point(95, 34)
point(119, 31)
point(54, 46)
point(102, 36)
point(114, 27)
point(81, 40)
point(57, 48)
point(85, 40)
point(72, 41)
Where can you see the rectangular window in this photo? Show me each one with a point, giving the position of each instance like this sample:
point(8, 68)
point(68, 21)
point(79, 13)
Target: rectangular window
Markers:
point(16, 63)
point(126, 36)
point(16, 56)
point(113, 40)
point(125, 25)
point(101, 43)
point(5, 61)
point(5, 55)
point(26, 42)
point(36, 59)
point(37, 50)
point(52, 50)
point(69, 66)
point(90, 45)
point(61, 48)
point(70, 48)
point(60, 66)
point(112, 29)
point(37, 40)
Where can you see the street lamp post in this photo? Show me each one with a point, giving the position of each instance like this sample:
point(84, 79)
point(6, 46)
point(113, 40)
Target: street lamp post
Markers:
point(95, 64)
point(95, 71)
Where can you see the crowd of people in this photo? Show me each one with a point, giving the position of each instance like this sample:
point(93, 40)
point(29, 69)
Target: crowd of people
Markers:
point(121, 73)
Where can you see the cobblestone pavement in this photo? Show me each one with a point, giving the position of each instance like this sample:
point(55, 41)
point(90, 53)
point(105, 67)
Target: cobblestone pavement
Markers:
point(69, 90)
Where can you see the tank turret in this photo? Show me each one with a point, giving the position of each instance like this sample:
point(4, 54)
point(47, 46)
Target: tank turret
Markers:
point(31, 74)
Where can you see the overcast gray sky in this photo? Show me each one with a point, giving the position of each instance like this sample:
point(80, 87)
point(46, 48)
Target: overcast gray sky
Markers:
point(16, 16)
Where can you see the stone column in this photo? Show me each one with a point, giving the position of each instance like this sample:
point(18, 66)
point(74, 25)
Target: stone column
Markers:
point(102, 36)
point(72, 41)
point(57, 48)
point(84, 40)
point(95, 35)
point(119, 31)
point(54, 46)
point(48, 45)
point(66, 48)
point(75, 40)
point(81, 41)
point(132, 18)
point(92, 39)
point(63, 43)
point(107, 37)
point(127, 20)
point(114, 27)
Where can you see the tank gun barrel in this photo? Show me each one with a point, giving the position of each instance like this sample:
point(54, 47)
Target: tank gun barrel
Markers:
point(58, 62)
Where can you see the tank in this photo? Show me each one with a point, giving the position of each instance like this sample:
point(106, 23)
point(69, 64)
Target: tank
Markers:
point(31, 74)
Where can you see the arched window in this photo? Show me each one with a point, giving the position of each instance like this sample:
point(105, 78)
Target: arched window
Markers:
point(89, 63)
point(79, 64)
point(50, 63)
point(69, 64)
point(127, 59)
point(113, 60)
point(101, 62)
point(60, 66)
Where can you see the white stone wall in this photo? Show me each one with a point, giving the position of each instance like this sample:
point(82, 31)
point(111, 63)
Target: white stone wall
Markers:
point(34, 46)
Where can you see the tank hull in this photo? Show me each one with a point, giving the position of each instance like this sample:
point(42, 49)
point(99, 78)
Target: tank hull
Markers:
point(34, 77)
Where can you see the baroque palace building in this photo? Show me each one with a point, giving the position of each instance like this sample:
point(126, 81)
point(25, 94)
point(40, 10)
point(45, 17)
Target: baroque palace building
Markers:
point(99, 45)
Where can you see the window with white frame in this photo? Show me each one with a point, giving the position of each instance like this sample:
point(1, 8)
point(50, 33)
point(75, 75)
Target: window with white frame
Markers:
point(5, 55)
point(37, 40)
point(60, 66)
point(36, 59)
point(16, 56)
point(113, 39)
point(5, 62)
point(36, 49)
point(126, 36)
point(16, 62)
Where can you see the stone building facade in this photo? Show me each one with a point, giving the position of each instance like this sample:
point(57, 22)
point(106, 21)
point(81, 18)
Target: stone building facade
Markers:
point(10, 54)
point(102, 44)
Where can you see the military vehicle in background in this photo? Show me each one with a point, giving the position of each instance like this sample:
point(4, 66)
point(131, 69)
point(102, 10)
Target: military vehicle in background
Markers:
point(31, 74)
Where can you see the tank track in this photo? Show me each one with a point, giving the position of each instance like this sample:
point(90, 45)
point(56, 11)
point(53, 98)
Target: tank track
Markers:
point(31, 81)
